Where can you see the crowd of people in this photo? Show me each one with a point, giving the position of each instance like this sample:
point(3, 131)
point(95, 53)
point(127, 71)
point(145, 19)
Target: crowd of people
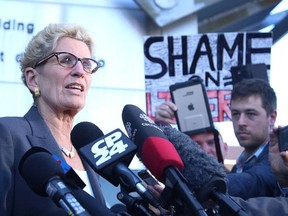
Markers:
point(253, 113)
point(57, 69)
point(258, 180)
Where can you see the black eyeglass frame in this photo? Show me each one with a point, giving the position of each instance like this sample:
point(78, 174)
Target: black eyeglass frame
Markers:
point(42, 61)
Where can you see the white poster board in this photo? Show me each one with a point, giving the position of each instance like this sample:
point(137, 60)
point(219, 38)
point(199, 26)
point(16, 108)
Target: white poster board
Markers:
point(172, 59)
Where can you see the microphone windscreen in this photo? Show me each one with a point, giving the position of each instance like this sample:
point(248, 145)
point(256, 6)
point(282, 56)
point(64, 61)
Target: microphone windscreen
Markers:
point(158, 155)
point(84, 133)
point(139, 126)
point(37, 167)
point(103, 152)
point(154, 149)
point(200, 168)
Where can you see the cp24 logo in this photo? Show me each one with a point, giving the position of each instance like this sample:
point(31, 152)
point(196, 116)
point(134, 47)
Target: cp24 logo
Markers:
point(111, 146)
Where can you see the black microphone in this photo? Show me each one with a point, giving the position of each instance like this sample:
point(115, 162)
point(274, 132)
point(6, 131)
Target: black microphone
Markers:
point(200, 167)
point(159, 155)
point(36, 178)
point(48, 181)
point(135, 206)
point(103, 152)
point(206, 176)
point(109, 155)
point(119, 208)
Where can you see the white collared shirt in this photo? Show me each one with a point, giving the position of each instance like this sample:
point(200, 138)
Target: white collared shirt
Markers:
point(83, 175)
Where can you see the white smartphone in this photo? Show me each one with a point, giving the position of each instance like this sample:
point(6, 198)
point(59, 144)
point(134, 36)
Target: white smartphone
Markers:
point(193, 114)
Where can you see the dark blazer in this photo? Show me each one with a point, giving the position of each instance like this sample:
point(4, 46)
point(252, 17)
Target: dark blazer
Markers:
point(256, 180)
point(17, 135)
point(264, 206)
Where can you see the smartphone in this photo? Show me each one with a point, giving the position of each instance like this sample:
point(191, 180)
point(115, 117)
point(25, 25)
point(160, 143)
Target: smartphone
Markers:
point(283, 138)
point(147, 177)
point(193, 114)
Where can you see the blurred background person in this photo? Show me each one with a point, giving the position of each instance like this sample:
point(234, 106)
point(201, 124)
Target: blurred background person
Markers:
point(166, 112)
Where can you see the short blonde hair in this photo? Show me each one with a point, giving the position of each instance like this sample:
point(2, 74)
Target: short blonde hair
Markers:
point(45, 41)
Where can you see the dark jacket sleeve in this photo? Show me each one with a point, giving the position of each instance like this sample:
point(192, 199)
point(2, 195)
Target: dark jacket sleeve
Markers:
point(264, 206)
point(17, 135)
point(6, 165)
point(16, 198)
point(255, 181)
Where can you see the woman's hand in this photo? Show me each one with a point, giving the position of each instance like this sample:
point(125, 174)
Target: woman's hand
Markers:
point(278, 160)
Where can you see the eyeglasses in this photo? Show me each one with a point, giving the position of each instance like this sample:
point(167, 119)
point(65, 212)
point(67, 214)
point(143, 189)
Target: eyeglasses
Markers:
point(69, 60)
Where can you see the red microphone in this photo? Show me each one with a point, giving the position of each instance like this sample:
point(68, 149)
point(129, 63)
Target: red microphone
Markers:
point(154, 148)
point(157, 154)
point(160, 157)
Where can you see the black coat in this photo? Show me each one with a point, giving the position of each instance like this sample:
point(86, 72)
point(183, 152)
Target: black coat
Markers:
point(17, 135)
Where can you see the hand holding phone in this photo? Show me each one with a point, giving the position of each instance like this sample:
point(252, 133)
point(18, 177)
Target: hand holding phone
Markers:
point(283, 138)
point(193, 114)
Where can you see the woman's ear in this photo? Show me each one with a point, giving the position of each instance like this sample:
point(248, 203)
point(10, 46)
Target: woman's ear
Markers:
point(31, 78)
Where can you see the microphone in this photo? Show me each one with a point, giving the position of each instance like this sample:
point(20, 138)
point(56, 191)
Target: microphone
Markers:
point(159, 155)
point(119, 208)
point(84, 133)
point(200, 167)
point(149, 138)
point(206, 176)
point(135, 206)
point(103, 152)
point(48, 181)
point(36, 177)
point(109, 156)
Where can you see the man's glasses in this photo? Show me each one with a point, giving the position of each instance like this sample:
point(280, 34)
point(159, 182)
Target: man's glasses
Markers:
point(69, 60)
